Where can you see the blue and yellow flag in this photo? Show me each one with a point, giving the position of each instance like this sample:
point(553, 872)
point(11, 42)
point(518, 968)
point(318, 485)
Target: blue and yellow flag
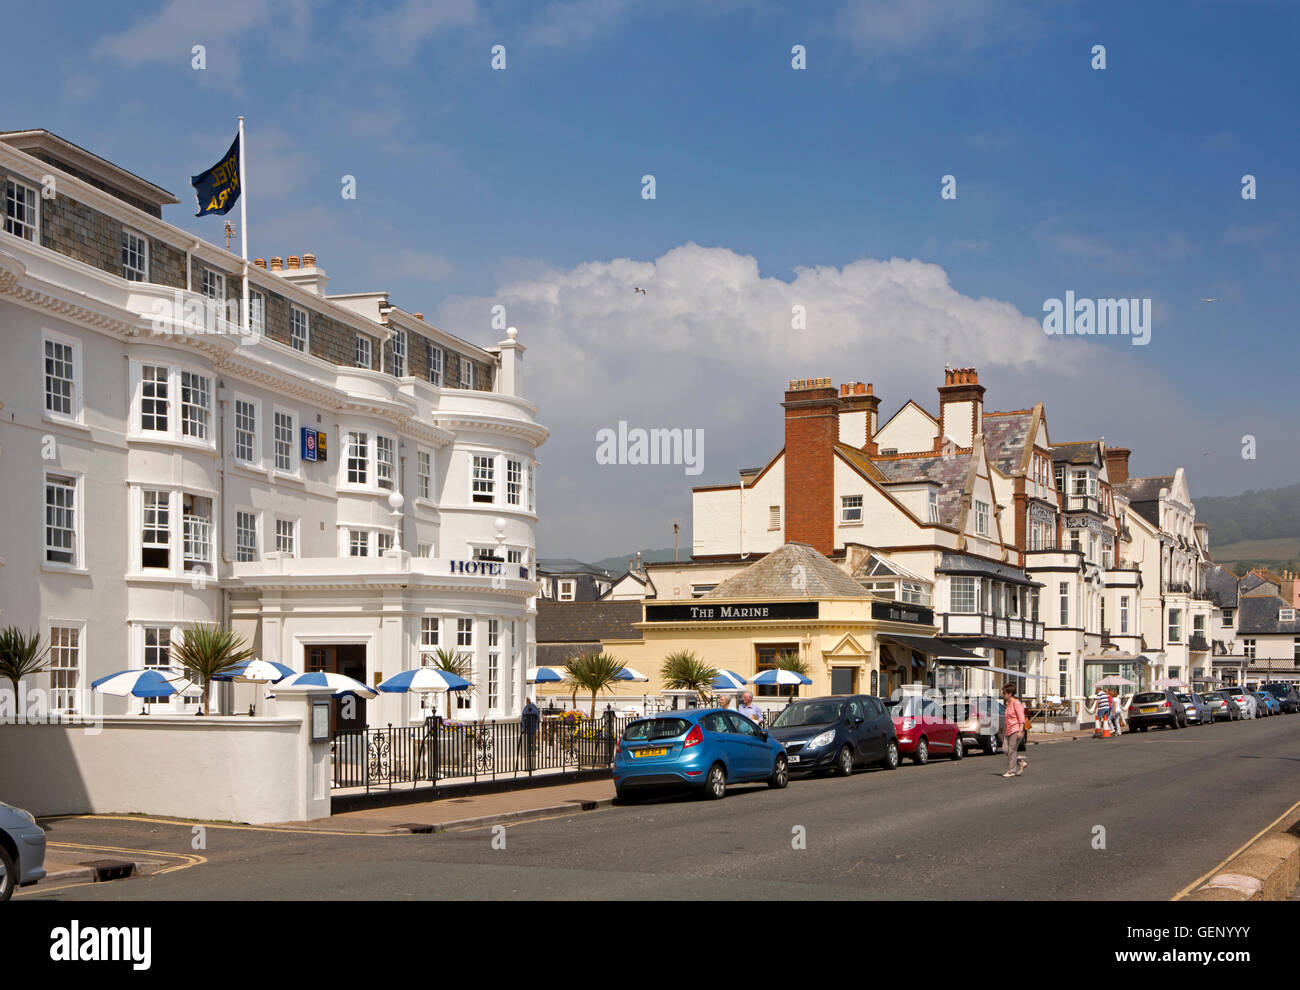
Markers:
point(217, 189)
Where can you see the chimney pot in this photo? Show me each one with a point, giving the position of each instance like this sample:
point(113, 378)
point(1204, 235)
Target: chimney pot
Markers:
point(418, 316)
point(259, 262)
point(309, 261)
point(277, 264)
point(294, 261)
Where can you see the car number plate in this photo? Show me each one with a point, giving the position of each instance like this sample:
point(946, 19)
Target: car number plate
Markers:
point(1148, 711)
point(652, 752)
point(794, 759)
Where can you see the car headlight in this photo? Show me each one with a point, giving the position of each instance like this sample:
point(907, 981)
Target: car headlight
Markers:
point(31, 819)
point(822, 739)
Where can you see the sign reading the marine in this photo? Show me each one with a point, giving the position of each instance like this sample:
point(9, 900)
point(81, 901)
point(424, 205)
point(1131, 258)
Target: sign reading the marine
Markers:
point(217, 189)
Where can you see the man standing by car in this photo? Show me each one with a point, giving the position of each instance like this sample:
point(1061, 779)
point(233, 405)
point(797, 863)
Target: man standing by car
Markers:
point(1014, 731)
point(750, 710)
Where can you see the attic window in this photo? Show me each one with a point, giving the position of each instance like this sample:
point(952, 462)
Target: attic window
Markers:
point(1286, 615)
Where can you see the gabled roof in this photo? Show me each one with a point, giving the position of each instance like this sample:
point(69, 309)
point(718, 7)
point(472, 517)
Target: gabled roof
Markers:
point(1221, 586)
point(1260, 615)
point(1084, 452)
point(794, 570)
point(1008, 436)
point(862, 462)
point(949, 471)
point(1145, 489)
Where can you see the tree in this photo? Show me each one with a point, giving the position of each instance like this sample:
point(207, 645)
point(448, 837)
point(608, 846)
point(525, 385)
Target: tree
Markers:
point(594, 672)
point(684, 671)
point(206, 651)
point(20, 654)
point(453, 662)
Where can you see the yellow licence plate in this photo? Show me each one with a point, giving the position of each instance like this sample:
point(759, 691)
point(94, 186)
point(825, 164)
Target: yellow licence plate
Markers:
point(1147, 711)
point(650, 752)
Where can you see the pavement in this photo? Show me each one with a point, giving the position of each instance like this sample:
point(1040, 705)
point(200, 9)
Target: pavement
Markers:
point(1152, 812)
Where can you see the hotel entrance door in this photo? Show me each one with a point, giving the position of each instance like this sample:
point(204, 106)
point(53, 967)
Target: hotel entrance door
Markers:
point(348, 713)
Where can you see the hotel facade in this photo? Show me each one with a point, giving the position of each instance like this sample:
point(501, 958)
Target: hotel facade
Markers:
point(346, 485)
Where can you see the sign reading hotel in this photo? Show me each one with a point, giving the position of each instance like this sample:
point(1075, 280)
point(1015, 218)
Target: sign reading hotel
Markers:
point(721, 612)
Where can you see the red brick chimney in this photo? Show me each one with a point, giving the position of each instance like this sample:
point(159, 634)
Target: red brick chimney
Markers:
point(961, 407)
point(1117, 464)
point(812, 428)
point(859, 416)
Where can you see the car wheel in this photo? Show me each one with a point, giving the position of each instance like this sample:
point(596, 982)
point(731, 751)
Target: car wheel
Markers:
point(1142, 728)
point(959, 748)
point(844, 765)
point(8, 875)
point(780, 773)
point(922, 755)
point(715, 786)
point(890, 762)
point(625, 796)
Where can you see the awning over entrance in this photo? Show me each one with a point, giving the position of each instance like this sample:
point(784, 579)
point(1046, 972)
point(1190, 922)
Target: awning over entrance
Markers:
point(939, 649)
point(1015, 673)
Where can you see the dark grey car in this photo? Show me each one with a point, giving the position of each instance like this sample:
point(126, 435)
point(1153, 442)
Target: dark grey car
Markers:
point(22, 850)
point(837, 733)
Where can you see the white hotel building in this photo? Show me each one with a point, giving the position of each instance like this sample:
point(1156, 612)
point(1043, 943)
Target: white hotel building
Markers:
point(156, 473)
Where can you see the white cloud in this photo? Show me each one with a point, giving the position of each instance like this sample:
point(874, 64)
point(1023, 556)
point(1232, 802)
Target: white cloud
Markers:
point(894, 28)
point(400, 32)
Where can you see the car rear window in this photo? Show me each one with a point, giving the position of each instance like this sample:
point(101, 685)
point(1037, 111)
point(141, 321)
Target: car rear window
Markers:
point(1185, 698)
point(1147, 697)
point(656, 728)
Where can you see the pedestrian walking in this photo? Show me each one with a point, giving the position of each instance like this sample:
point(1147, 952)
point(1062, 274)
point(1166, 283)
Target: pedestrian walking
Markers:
point(1013, 731)
point(528, 722)
point(1101, 711)
point(1116, 712)
point(750, 710)
point(724, 701)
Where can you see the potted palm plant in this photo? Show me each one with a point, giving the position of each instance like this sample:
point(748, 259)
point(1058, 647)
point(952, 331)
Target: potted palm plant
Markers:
point(453, 662)
point(20, 654)
point(594, 672)
point(684, 671)
point(205, 651)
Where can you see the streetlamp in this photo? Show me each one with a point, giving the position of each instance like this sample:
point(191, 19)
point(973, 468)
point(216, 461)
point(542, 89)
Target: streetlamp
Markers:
point(395, 502)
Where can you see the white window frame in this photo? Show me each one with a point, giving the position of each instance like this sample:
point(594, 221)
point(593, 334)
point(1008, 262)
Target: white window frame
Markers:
point(77, 530)
point(77, 669)
point(31, 204)
point(436, 368)
point(246, 553)
point(982, 517)
point(137, 404)
point(365, 352)
point(164, 505)
point(201, 384)
point(932, 507)
point(131, 272)
point(963, 595)
point(278, 412)
point(1123, 614)
point(1175, 625)
point(75, 399)
point(354, 539)
point(514, 481)
point(1063, 605)
point(465, 633)
point(482, 484)
point(253, 437)
point(354, 462)
point(256, 312)
point(292, 524)
point(385, 462)
point(566, 590)
point(303, 324)
point(424, 474)
point(466, 372)
point(213, 285)
point(398, 350)
point(494, 665)
point(851, 510)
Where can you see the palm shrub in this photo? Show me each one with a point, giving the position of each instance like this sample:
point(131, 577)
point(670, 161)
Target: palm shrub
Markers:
point(684, 671)
point(453, 662)
point(21, 654)
point(207, 651)
point(594, 672)
point(791, 661)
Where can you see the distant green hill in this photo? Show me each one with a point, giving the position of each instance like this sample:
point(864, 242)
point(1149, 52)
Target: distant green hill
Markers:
point(1270, 514)
point(618, 564)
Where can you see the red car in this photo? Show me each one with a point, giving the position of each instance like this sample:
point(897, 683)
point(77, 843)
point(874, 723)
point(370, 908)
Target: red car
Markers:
point(923, 731)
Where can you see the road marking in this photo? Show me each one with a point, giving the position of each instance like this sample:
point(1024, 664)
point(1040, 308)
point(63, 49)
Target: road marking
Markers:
point(1273, 824)
point(188, 823)
point(186, 861)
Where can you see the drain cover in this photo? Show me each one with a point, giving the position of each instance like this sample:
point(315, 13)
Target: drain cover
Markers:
point(110, 869)
point(419, 828)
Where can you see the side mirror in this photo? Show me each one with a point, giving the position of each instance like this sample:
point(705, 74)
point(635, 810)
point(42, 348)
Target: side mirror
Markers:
point(762, 732)
point(857, 721)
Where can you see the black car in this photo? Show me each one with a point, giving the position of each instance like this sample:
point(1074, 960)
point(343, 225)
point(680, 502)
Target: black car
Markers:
point(837, 733)
point(1288, 696)
point(1150, 708)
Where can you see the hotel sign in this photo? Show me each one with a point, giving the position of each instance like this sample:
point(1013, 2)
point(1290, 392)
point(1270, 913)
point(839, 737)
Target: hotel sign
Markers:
point(724, 612)
point(313, 445)
point(891, 612)
point(485, 568)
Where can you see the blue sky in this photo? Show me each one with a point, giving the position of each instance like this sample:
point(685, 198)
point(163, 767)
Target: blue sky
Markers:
point(523, 187)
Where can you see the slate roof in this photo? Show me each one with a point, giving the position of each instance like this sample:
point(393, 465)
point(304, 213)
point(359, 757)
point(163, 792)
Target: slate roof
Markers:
point(586, 622)
point(776, 575)
point(1259, 616)
point(949, 473)
point(1084, 452)
point(1145, 489)
point(567, 565)
point(861, 461)
point(1221, 586)
point(1005, 436)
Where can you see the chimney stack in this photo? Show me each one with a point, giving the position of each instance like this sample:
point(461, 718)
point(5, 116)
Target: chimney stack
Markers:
point(961, 407)
point(1117, 464)
point(812, 411)
point(859, 416)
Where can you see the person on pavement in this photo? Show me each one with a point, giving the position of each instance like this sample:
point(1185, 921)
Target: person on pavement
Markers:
point(1013, 731)
point(1114, 712)
point(528, 721)
point(1102, 711)
point(750, 710)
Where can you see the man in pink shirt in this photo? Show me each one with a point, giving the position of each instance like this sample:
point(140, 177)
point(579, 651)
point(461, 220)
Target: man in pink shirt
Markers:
point(1014, 731)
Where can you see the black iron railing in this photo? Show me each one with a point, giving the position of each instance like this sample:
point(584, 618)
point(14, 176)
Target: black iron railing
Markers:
point(443, 750)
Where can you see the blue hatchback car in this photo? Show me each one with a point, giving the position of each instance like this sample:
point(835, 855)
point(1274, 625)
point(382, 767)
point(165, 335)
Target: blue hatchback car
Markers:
point(705, 749)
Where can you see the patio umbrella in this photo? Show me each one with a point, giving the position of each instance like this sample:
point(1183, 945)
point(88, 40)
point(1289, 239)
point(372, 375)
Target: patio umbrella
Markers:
point(339, 683)
point(155, 682)
point(544, 675)
point(1171, 682)
point(781, 677)
point(728, 681)
point(1114, 680)
point(630, 674)
point(422, 679)
point(257, 672)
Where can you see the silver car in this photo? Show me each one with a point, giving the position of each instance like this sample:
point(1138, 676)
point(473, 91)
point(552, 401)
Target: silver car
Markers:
point(1246, 702)
point(22, 850)
point(1198, 709)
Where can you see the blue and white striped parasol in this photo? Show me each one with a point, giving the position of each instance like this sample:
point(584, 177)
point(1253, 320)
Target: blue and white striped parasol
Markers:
point(423, 679)
point(630, 674)
point(781, 677)
point(257, 672)
point(154, 682)
point(728, 681)
point(544, 675)
point(338, 683)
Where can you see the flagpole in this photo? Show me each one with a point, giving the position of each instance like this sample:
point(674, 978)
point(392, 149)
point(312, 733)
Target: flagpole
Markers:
point(243, 224)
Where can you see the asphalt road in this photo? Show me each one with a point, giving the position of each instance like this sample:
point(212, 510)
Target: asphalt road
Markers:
point(1173, 805)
